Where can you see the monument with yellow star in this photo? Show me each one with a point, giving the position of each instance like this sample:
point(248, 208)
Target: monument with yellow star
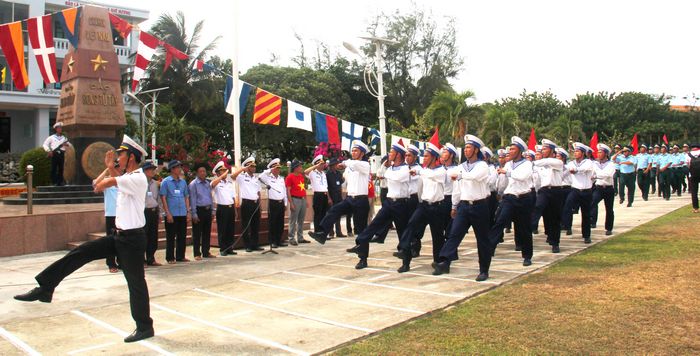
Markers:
point(91, 106)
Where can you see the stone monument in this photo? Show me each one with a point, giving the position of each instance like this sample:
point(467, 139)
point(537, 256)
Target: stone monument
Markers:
point(91, 105)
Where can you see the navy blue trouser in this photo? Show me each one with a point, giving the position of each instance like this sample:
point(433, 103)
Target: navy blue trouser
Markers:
point(548, 206)
point(606, 194)
point(517, 210)
point(583, 199)
point(424, 215)
point(357, 206)
point(477, 217)
point(392, 211)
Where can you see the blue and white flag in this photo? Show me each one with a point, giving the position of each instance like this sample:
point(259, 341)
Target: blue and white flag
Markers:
point(298, 116)
point(243, 94)
point(351, 132)
point(374, 139)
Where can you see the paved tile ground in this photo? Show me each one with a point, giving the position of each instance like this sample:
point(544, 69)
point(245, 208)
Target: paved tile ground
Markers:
point(305, 300)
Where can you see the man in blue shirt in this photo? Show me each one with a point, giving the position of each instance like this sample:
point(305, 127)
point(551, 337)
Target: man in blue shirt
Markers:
point(201, 206)
point(175, 196)
point(665, 173)
point(643, 171)
point(654, 173)
point(616, 178)
point(628, 165)
point(678, 160)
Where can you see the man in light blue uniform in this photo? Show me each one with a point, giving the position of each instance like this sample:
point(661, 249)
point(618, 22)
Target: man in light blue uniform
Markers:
point(654, 174)
point(628, 165)
point(677, 160)
point(664, 164)
point(616, 178)
point(643, 171)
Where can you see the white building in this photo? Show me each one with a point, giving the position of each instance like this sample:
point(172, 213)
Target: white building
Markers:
point(26, 116)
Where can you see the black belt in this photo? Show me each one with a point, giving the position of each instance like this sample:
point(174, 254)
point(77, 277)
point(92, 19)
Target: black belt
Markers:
point(432, 204)
point(549, 187)
point(152, 209)
point(414, 195)
point(474, 202)
point(565, 187)
point(128, 232)
point(281, 201)
point(250, 200)
point(524, 195)
point(220, 206)
point(397, 200)
point(319, 193)
point(582, 190)
point(357, 196)
point(205, 207)
point(627, 173)
point(604, 186)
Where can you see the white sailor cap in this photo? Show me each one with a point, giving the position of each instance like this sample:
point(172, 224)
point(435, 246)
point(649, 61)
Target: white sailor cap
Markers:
point(562, 152)
point(434, 150)
point(473, 140)
point(644, 146)
point(530, 153)
point(130, 145)
point(538, 148)
point(487, 151)
point(58, 124)
point(604, 147)
point(317, 159)
point(580, 146)
point(549, 143)
point(413, 149)
point(360, 146)
point(398, 148)
point(675, 147)
point(451, 148)
point(250, 161)
point(219, 166)
point(502, 152)
point(518, 142)
point(274, 163)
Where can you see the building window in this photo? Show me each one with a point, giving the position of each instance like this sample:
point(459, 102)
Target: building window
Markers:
point(11, 12)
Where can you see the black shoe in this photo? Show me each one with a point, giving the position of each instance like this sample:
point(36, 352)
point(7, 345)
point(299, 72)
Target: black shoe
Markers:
point(433, 264)
point(527, 262)
point(629, 205)
point(535, 232)
point(302, 241)
point(353, 249)
point(555, 249)
point(293, 242)
point(404, 268)
point(376, 239)
point(283, 244)
point(341, 235)
point(248, 250)
point(501, 240)
point(328, 238)
point(569, 232)
point(441, 268)
point(593, 226)
point(482, 277)
point(507, 230)
point(318, 236)
point(362, 264)
point(415, 254)
point(608, 233)
point(587, 241)
point(258, 249)
point(646, 199)
point(139, 335)
point(35, 294)
point(518, 248)
point(273, 245)
point(622, 201)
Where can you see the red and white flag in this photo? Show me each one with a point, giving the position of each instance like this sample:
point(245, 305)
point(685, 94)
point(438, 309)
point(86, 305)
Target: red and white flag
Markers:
point(144, 53)
point(41, 38)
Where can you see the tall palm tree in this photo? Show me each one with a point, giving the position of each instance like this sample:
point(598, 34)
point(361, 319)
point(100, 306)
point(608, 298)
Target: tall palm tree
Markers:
point(499, 124)
point(450, 113)
point(565, 129)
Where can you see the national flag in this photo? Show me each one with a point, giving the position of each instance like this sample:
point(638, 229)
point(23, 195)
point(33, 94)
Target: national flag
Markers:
point(374, 138)
point(198, 65)
point(327, 129)
point(298, 116)
point(171, 52)
point(435, 140)
point(40, 30)
point(594, 144)
point(120, 25)
point(635, 145)
point(532, 141)
point(70, 21)
point(244, 90)
point(12, 44)
point(144, 53)
point(268, 108)
point(350, 133)
point(3, 73)
point(665, 139)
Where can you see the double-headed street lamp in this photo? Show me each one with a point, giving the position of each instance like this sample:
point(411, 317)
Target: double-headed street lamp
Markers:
point(375, 74)
point(154, 95)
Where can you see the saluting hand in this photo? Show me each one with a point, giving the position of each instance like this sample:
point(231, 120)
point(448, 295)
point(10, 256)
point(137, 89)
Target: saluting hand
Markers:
point(109, 159)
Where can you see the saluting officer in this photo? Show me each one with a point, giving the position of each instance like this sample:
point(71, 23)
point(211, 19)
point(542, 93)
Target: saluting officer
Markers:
point(335, 190)
point(249, 187)
point(225, 197)
point(654, 172)
point(276, 201)
point(55, 147)
point(412, 154)
point(448, 159)
point(319, 185)
point(604, 173)
point(549, 197)
point(581, 194)
point(127, 242)
point(643, 171)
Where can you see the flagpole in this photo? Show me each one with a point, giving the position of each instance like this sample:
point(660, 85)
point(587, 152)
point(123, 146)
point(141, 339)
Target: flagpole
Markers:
point(236, 90)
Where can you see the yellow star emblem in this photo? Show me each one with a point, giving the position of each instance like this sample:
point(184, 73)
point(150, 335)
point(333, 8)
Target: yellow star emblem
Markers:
point(301, 186)
point(71, 61)
point(98, 62)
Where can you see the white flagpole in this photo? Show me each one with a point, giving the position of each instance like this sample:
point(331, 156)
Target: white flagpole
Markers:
point(235, 95)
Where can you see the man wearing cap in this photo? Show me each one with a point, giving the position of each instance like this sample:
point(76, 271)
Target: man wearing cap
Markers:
point(201, 206)
point(110, 204)
point(277, 201)
point(517, 203)
point(501, 185)
point(563, 155)
point(249, 187)
point(643, 171)
point(616, 179)
point(335, 191)
point(653, 173)
point(677, 176)
point(55, 147)
point(548, 203)
point(357, 171)
point(412, 154)
point(152, 213)
point(448, 159)
point(664, 164)
point(604, 173)
point(628, 164)
point(296, 190)
point(428, 211)
point(685, 154)
point(693, 164)
point(470, 208)
point(319, 185)
point(128, 241)
point(175, 195)
point(225, 198)
point(493, 184)
point(582, 171)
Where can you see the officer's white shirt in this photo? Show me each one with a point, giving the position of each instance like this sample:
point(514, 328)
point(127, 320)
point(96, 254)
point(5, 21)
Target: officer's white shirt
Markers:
point(130, 202)
point(356, 177)
point(433, 184)
point(493, 178)
point(472, 182)
point(604, 173)
point(535, 178)
point(318, 180)
point(380, 174)
point(54, 141)
point(225, 191)
point(278, 190)
point(397, 178)
point(519, 177)
point(550, 172)
point(566, 177)
point(501, 183)
point(248, 185)
point(449, 184)
point(583, 174)
point(414, 181)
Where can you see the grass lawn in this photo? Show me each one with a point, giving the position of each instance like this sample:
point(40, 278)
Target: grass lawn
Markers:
point(637, 293)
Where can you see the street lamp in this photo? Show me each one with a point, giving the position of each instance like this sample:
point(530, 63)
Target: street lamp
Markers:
point(376, 72)
point(153, 103)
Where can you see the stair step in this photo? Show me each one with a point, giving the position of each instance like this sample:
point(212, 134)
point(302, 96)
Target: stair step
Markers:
point(54, 201)
point(68, 194)
point(65, 188)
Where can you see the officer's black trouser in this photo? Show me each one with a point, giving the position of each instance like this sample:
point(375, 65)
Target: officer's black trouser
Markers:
point(607, 195)
point(627, 180)
point(250, 222)
point(225, 225)
point(516, 209)
point(201, 232)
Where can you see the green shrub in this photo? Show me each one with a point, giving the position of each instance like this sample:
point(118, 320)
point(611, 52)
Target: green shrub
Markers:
point(42, 166)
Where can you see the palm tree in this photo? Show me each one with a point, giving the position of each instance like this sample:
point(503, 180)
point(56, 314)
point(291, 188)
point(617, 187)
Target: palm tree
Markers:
point(500, 123)
point(450, 113)
point(565, 129)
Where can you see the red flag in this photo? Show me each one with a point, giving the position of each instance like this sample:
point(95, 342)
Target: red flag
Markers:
point(435, 140)
point(121, 25)
point(332, 129)
point(41, 37)
point(171, 52)
point(594, 144)
point(532, 141)
point(12, 44)
point(635, 145)
point(665, 139)
point(144, 53)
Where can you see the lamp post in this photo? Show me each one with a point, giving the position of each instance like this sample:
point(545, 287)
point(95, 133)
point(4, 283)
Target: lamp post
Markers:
point(154, 96)
point(377, 72)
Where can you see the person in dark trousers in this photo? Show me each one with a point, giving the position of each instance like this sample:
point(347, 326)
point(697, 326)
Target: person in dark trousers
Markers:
point(604, 173)
point(335, 191)
point(581, 195)
point(175, 196)
point(201, 207)
point(55, 147)
point(110, 203)
point(548, 202)
point(128, 241)
point(644, 162)
point(249, 201)
point(654, 173)
point(616, 179)
point(694, 174)
point(225, 199)
point(628, 164)
point(319, 185)
point(277, 201)
point(152, 213)
point(665, 161)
